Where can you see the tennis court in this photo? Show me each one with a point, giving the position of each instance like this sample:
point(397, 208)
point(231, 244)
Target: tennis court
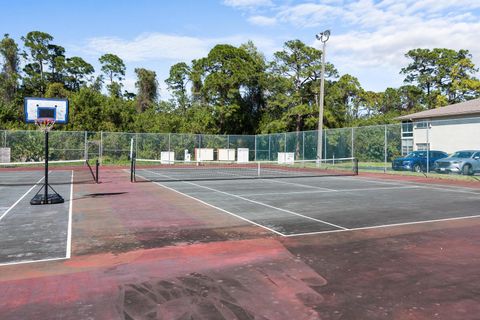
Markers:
point(321, 204)
point(279, 242)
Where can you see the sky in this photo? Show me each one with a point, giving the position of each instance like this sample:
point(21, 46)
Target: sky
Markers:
point(368, 38)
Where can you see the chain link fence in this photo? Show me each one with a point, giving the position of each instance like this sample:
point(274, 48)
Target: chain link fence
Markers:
point(374, 146)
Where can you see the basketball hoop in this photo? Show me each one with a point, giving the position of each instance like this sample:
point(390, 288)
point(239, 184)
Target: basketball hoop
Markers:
point(45, 124)
point(45, 113)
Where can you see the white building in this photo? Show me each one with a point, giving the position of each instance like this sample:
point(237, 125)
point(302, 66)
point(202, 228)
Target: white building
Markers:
point(451, 128)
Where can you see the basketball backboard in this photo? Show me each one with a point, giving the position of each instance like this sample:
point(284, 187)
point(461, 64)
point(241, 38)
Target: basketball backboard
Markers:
point(36, 108)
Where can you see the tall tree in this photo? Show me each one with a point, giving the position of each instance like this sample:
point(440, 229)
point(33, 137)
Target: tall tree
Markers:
point(343, 101)
point(56, 61)
point(37, 43)
point(255, 90)
point(114, 68)
point(177, 83)
point(9, 74)
point(299, 67)
point(78, 71)
point(444, 75)
point(227, 74)
point(147, 86)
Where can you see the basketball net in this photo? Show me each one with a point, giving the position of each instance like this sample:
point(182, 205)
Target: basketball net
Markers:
point(44, 124)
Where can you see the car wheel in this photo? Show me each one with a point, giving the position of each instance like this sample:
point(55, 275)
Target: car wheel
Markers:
point(417, 168)
point(467, 170)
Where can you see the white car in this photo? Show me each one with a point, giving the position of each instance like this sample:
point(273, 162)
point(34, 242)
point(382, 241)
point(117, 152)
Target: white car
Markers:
point(465, 162)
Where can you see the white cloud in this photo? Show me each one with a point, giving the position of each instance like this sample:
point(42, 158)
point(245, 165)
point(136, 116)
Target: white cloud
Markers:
point(370, 37)
point(149, 46)
point(161, 47)
point(247, 4)
point(309, 14)
point(382, 51)
point(262, 21)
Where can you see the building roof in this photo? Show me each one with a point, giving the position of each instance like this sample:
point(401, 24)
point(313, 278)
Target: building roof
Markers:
point(471, 107)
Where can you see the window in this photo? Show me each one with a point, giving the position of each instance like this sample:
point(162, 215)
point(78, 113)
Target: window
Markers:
point(422, 146)
point(407, 129)
point(407, 146)
point(421, 124)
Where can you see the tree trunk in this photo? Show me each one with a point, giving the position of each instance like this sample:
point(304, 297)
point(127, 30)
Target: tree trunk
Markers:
point(298, 128)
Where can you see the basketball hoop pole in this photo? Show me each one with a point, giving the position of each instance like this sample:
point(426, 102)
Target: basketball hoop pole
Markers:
point(46, 198)
point(45, 187)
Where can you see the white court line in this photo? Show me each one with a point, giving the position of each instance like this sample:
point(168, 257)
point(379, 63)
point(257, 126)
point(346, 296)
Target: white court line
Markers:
point(30, 261)
point(447, 188)
point(328, 191)
point(211, 205)
point(20, 199)
point(297, 184)
point(69, 230)
point(259, 203)
point(385, 226)
point(356, 178)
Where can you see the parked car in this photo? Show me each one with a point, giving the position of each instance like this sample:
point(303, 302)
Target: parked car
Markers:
point(417, 161)
point(465, 162)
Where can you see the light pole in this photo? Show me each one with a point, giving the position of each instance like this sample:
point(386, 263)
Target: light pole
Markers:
point(323, 37)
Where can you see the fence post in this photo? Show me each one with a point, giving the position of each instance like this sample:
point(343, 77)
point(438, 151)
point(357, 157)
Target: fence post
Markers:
point(136, 144)
point(303, 145)
point(255, 157)
point(269, 146)
point(385, 152)
point(169, 149)
point(86, 145)
point(428, 146)
point(101, 147)
point(324, 144)
point(285, 146)
point(353, 145)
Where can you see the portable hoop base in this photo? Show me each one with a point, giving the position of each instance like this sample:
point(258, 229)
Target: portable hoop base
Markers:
point(51, 198)
point(44, 197)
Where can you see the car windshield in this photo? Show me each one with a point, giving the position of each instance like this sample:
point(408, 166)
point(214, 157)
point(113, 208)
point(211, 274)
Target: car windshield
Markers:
point(462, 154)
point(416, 154)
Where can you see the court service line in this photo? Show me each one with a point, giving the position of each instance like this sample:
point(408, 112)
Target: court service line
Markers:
point(356, 178)
point(259, 203)
point(213, 206)
point(328, 191)
point(298, 184)
point(385, 226)
point(20, 199)
point(69, 227)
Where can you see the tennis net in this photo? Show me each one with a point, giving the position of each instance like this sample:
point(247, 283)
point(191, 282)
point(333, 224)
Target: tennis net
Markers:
point(158, 170)
point(60, 172)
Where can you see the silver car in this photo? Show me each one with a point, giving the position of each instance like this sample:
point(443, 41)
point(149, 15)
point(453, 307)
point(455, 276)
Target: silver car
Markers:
point(466, 162)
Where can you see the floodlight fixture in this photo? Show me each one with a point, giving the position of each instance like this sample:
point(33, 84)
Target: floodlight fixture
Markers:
point(323, 37)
